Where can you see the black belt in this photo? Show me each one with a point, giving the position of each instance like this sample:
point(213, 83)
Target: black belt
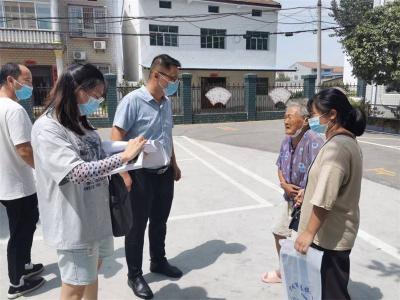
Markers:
point(158, 171)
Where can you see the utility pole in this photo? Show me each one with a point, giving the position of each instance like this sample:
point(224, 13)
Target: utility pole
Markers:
point(319, 41)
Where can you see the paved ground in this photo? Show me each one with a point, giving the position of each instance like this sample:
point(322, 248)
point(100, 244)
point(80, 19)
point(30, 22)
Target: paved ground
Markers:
point(219, 232)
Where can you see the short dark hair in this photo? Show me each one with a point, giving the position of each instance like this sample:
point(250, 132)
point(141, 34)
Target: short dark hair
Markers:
point(63, 98)
point(165, 61)
point(9, 69)
point(350, 118)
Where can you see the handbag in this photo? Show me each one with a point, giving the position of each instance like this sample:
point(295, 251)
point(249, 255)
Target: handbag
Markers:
point(120, 206)
point(294, 223)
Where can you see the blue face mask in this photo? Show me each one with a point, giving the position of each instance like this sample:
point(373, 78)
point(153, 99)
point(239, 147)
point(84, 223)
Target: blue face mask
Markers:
point(90, 107)
point(171, 88)
point(24, 93)
point(316, 125)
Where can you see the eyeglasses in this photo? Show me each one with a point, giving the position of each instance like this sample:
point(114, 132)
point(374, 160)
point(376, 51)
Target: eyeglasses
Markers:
point(169, 77)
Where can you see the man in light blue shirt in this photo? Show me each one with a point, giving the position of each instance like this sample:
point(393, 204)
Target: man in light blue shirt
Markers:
point(148, 112)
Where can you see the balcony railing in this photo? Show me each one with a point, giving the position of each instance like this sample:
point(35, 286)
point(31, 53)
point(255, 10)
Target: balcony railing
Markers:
point(27, 36)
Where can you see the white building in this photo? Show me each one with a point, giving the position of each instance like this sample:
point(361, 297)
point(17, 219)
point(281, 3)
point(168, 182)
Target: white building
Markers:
point(309, 68)
point(212, 54)
point(48, 35)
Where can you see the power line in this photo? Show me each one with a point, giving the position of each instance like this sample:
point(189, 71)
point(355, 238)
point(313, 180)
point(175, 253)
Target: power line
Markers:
point(172, 16)
point(99, 34)
point(302, 22)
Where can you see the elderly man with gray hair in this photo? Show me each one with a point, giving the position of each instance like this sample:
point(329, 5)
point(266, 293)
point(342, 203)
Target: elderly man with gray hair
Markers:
point(298, 150)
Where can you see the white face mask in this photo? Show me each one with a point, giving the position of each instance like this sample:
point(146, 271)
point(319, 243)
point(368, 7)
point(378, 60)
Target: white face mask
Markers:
point(298, 132)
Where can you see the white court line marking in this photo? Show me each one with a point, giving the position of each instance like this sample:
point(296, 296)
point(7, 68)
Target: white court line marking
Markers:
point(380, 145)
point(378, 138)
point(379, 244)
point(237, 184)
point(381, 132)
point(245, 171)
point(187, 216)
point(218, 212)
point(361, 233)
point(186, 159)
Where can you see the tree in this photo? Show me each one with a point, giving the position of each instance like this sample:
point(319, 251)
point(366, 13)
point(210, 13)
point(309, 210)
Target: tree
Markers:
point(282, 77)
point(373, 44)
point(348, 14)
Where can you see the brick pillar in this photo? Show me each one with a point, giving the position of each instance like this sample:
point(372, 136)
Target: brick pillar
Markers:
point(111, 97)
point(187, 98)
point(309, 85)
point(250, 97)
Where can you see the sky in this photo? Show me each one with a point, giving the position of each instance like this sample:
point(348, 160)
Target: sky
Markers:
point(303, 46)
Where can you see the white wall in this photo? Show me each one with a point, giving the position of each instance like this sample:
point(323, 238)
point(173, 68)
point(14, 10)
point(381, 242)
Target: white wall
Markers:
point(348, 77)
point(301, 70)
point(115, 9)
point(189, 52)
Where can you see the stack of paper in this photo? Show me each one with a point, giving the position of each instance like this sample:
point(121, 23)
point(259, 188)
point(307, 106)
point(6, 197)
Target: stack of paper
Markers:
point(153, 155)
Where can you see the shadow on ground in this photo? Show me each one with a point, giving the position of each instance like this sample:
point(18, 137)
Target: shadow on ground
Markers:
point(362, 291)
point(53, 283)
point(173, 291)
point(199, 257)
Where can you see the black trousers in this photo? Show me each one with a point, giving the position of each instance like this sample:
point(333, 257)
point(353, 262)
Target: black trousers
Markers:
point(335, 274)
point(22, 215)
point(151, 197)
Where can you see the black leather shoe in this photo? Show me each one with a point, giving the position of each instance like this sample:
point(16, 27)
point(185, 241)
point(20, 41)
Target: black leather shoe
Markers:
point(140, 287)
point(33, 270)
point(166, 269)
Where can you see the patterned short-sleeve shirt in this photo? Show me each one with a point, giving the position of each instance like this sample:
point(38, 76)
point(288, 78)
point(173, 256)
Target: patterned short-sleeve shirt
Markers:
point(294, 163)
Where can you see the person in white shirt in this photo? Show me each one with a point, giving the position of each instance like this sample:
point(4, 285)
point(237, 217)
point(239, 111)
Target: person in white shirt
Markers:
point(17, 186)
point(72, 172)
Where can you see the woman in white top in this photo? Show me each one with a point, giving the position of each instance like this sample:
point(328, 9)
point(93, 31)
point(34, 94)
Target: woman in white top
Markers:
point(72, 183)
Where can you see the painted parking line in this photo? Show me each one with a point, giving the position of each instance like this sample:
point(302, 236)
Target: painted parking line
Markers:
point(227, 128)
point(225, 176)
point(377, 243)
point(218, 212)
point(379, 138)
point(185, 159)
point(372, 240)
point(382, 171)
point(233, 164)
point(379, 145)
point(383, 133)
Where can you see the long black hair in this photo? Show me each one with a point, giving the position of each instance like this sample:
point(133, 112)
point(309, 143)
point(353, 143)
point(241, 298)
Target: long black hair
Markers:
point(350, 118)
point(63, 96)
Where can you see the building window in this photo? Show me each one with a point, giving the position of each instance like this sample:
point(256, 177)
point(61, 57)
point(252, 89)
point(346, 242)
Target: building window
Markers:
point(87, 21)
point(213, 9)
point(257, 40)
point(296, 77)
point(23, 15)
point(212, 38)
point(314, 70)
point(256, 13)
point(165, 4)
point(162, 35)
point(43, 11)
point(262, 86)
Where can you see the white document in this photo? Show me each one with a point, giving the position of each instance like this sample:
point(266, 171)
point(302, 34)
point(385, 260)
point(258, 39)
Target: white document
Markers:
point(153, 155)
point(112, 147)
point(301, 274)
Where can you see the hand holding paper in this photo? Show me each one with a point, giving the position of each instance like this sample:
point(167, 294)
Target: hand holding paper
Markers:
point(155, 155)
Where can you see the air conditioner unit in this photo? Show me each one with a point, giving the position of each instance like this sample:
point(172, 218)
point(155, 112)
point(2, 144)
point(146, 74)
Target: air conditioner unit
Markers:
point(79, 55)
point(99, 45)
